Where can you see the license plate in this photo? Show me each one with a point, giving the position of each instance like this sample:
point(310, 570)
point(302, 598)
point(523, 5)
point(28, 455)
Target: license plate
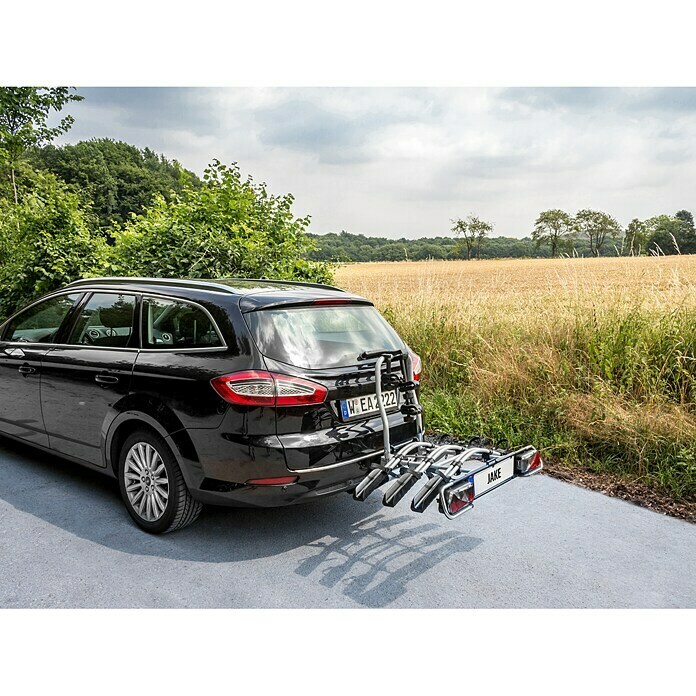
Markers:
point(367, 405)
point(493, 476)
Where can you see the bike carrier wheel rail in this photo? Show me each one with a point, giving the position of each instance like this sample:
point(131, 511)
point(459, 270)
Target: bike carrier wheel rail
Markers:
point(454, 475)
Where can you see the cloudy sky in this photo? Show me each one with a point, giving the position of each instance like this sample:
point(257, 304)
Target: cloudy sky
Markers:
point(403, 162)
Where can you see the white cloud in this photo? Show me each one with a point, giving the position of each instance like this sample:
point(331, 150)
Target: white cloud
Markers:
point(402, 162)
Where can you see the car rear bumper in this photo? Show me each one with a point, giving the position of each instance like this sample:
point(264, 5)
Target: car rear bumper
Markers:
point(311, 484)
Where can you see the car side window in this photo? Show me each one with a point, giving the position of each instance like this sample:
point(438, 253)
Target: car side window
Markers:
point(176, 324)
point(40, 323)
point(105, 320)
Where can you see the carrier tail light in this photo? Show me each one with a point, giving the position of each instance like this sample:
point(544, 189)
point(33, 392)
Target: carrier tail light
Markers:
point(262, 388)
point(461, 500)
point(529, 462)
point(457, 498)
point(417, 364)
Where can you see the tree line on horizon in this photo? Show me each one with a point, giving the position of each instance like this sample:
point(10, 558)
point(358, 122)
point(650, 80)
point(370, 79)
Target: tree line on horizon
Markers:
point(555, 233)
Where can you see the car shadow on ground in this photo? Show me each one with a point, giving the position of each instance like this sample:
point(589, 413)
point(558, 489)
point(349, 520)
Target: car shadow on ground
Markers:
point(363, 550)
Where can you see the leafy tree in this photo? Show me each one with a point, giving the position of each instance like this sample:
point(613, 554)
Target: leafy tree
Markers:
point(48, 242)
point(481, 229)
point(687, 233)
point(472, 232)
point(24, 114)
point(228, 227)
point(466, 240)
point(555, 228)
point(636, 239)
point(509, 247)
point(393, 251)
point(428, 251)
point(364, 251)
point(686, 218)
point(671, 234)
point(116, 178)
point(595, 226)
point(663, 232)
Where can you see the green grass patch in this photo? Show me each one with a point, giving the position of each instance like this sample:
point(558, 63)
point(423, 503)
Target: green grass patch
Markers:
point(662, 462)
point(612, 391)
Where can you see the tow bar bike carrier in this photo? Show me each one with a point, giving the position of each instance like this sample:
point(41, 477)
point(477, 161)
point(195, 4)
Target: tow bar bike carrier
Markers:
point(454, 475)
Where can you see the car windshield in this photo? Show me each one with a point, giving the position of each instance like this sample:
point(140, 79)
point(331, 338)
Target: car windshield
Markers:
point(323, 336)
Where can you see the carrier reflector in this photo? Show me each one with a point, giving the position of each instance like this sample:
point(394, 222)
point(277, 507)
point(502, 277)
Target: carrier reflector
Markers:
point(536, 462)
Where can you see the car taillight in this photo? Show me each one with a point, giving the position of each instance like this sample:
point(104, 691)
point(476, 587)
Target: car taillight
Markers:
point(262, 388)
point(417, 364)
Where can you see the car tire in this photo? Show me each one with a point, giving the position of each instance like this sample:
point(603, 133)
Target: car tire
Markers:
point(152, 485)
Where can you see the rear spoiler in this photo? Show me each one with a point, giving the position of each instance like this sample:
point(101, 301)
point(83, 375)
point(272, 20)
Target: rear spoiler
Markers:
point(256, 303)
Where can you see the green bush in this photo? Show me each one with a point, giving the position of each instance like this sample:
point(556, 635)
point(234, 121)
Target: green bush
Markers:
point(46, 241)
point(229, 227)
point(226, 227)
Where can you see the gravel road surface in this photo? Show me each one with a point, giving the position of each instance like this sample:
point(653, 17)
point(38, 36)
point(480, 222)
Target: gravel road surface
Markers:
point(67, 541)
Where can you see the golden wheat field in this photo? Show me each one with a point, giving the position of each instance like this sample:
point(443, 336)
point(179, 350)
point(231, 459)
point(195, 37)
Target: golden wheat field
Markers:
point(525, 286)
point(592, 359)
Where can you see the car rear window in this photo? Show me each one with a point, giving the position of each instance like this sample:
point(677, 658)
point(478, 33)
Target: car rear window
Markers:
point(323, 336)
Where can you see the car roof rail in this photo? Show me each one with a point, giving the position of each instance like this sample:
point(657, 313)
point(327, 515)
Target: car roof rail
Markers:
point(277, 281)
point(216, 283)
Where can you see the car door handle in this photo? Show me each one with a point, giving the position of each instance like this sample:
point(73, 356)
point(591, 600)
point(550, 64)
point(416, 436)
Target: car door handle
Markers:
point(26, 369)
point(106, 379)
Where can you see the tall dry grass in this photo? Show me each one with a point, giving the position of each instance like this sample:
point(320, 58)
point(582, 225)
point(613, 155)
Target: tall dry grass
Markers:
point(591, 359)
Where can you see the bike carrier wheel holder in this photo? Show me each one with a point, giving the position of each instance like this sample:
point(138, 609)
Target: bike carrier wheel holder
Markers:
point(454, 475)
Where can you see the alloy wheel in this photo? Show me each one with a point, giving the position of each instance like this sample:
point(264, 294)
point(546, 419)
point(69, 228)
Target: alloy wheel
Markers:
point(146, 481)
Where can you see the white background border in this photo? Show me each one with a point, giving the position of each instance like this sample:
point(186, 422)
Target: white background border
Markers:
point(357, 43)
point(362, 42)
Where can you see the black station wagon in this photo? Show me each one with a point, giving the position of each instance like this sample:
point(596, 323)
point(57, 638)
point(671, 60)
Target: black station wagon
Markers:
point(228, 392)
